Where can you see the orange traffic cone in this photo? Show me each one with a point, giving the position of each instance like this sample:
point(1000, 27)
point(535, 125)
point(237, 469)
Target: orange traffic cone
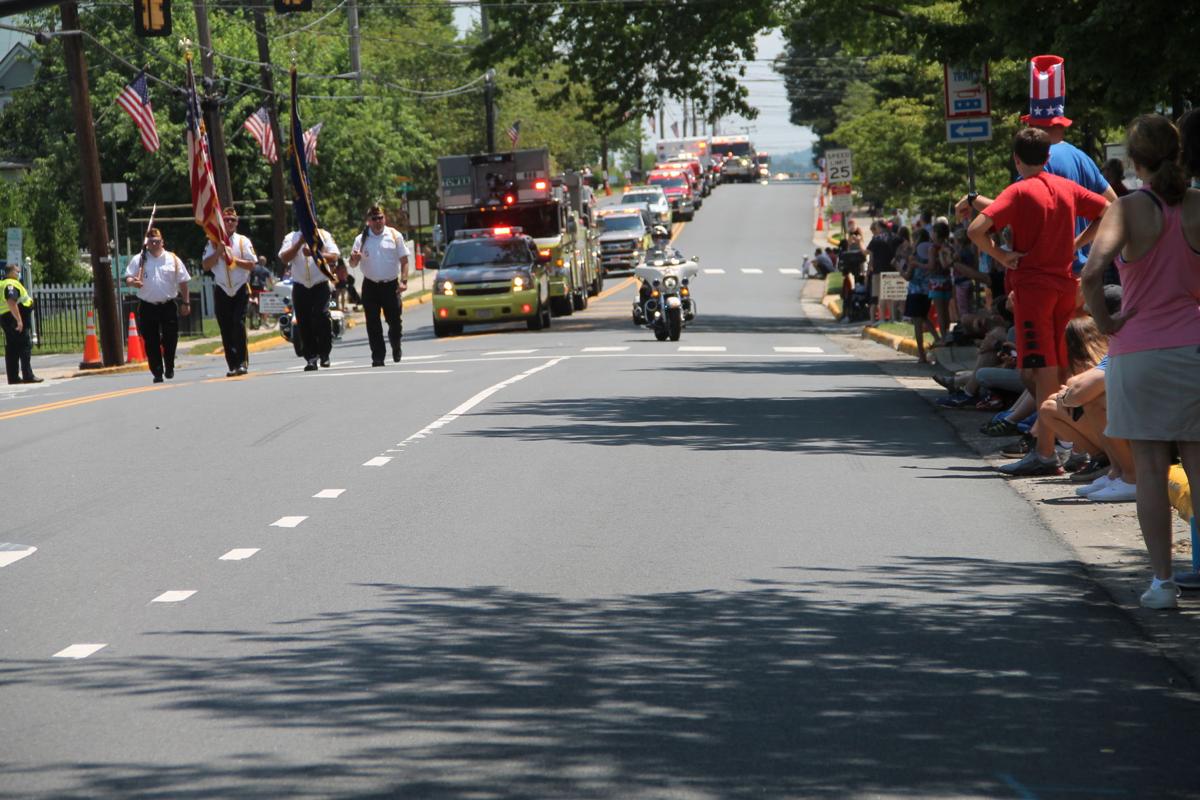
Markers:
point(91, 348)
point(137, 348)
point(820, 222)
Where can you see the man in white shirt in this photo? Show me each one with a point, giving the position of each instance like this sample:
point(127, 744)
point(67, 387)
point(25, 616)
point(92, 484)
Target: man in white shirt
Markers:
point(230, 268)
point(311, 273)
point(160, 277)
point(381, 252)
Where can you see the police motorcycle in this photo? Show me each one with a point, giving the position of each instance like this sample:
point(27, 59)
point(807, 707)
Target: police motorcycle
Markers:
point(337, 325)
point(665, 303)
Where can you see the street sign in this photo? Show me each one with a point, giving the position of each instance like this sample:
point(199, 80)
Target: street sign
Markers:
point(966, 92)
point(115, 192)
point(839, 166)
point(840, 199)
point(892, 287)
point(418, 213)
point(967, 130)
point(16, 245)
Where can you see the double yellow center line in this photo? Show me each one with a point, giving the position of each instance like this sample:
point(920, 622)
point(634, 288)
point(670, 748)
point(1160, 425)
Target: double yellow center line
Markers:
point(78, 401)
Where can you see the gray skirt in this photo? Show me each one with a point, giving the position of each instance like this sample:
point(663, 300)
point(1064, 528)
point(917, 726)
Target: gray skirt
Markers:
point(1154, 395)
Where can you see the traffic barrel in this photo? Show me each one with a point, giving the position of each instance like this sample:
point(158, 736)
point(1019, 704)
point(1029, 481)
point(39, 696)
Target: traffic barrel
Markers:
point(91, 347)
point(137, 348)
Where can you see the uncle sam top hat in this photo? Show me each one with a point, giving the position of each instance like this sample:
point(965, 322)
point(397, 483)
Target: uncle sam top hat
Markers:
point(1047, 92)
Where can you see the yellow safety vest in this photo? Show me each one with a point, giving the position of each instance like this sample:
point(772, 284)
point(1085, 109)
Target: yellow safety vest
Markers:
point(24, 299)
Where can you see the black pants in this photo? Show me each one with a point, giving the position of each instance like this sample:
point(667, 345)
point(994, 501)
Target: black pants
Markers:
point(231, 317)
point(18, 347)
point(311, 306)
point(158, 323)
point(378, 297)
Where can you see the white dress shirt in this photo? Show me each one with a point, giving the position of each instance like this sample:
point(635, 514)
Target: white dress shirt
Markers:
point(229, 280)
point(381, 255)
point(304, 269)
point(163, 275)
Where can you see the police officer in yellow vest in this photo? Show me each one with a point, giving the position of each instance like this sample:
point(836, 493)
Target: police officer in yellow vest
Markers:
point(15, 315)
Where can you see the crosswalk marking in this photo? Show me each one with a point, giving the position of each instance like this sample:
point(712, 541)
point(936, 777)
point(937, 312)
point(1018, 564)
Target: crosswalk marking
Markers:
point(78, 651)
point(799, 350)
point(377, 461)
point(789, 271)
point(329, 494)
point(239, 554)
point(605, 349)
point(287, 522)
point(12, 553)
point(697, 349)
point(174, 596)
point(751, 271)
point(714, 272)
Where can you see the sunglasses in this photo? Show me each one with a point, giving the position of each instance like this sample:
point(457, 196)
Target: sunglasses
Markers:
point(376, 217)
point(154, 241)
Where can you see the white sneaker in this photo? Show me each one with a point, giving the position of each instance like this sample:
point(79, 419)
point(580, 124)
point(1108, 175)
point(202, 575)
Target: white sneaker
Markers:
point(1117, 491)
point(1165, 596)
point(1094, 486)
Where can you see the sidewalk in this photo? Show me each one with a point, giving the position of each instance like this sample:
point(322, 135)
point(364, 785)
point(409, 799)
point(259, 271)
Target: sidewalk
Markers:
point(1104, 537)
point(58, 366)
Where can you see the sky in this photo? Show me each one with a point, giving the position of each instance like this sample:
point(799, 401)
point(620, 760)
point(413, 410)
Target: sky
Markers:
point(771, 132)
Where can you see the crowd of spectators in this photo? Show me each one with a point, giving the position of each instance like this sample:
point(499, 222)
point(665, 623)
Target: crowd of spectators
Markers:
point(1100, 378)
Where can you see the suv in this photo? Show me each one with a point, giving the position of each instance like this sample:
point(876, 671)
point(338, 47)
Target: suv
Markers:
point(490, 275)
point(623, 238)
point(652, 196)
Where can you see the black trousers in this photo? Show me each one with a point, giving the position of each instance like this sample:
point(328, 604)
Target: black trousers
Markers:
point(376, 297)
point(158, 323)
point(231, 317)
point(18, 347)
point(311, 306)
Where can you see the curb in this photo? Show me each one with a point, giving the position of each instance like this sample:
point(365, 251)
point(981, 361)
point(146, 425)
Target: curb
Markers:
point(897, 343)
point(121, 370)
point(833, 302)
point(416, 300)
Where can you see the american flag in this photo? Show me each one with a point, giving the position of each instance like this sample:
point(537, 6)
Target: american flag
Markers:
point(310, 143)
point(134, 100)
point(259, 126)
point(206, 206)
point(514, 132)
point(675, 129)
point(1047, 87)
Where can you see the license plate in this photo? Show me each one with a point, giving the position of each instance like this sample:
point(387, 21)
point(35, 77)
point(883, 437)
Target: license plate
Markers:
point(484, 313)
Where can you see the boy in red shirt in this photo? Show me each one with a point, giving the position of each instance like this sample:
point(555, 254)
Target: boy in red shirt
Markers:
point(1041, 210)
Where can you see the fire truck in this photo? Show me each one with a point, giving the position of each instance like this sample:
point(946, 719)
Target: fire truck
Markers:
point(515, 190)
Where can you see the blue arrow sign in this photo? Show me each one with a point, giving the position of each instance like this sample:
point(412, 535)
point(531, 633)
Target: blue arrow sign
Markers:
point(974, 129)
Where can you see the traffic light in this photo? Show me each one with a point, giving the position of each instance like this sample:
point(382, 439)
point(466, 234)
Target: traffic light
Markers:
point(288, 6)
point(152, 17)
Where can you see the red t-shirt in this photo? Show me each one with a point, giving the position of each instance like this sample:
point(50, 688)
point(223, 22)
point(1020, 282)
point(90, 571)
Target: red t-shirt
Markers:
point(1042, 211)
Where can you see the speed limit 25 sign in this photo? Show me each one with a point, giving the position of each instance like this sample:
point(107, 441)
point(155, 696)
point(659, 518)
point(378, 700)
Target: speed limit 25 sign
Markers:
point(838, 166)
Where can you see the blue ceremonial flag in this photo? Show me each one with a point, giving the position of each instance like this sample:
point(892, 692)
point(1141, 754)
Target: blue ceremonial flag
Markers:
point(302, 204)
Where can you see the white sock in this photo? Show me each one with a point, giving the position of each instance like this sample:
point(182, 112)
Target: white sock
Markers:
point(1068, 446)
point(1157, 582)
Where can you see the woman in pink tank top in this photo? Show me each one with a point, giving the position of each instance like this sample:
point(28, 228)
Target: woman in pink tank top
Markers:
point(1153, 378)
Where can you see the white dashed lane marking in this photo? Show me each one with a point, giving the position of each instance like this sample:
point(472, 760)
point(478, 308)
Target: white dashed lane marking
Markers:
point(79, 651)
point(174, 596)
point(714, 272)
point(799, 350)
point(510, 352)
point(605, 349)
point(329, 494)
point(12, 553)
point(287, 522)
point(789, 271)
point(239, 554)
point(697, 349)
point(751, 271)
point(377, 461)
point(419, 358)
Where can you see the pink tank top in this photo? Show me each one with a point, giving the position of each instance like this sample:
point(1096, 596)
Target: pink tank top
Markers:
point(1164, 287)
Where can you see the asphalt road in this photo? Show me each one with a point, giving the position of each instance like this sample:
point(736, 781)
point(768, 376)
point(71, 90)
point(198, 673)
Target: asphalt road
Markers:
point(575, 563)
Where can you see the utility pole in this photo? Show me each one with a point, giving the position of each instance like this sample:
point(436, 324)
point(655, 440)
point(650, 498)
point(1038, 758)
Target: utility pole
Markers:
point(355, 42)
point(212, 108)
point(662, 120)
point(278, 197)
point(489, 87)
point(683, 107)
point(111, 346)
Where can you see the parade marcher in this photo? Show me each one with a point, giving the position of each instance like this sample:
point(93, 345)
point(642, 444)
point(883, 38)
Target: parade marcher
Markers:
point(230, 268)
point(381, 251)
point(16, 311)
point(160, 277)
point(311, 273)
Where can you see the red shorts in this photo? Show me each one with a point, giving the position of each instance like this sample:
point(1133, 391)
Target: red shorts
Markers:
point(1041, 314)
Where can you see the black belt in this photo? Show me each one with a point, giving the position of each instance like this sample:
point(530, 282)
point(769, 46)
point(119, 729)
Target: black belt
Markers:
point(163, 303)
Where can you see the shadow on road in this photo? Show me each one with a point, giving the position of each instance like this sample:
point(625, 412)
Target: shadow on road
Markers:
point(886, 681)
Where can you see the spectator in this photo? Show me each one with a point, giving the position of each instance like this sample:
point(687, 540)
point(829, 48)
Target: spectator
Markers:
point(881, 249)
point(1114, 172)
point(903, 251)
point(1153, 377)
point(965, 272)
point(1041, 209)
point(941, 261)
point(916, 305)
point(822, 263)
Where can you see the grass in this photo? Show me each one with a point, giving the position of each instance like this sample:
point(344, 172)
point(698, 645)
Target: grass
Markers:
point(904, 329)
point(833, 283)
